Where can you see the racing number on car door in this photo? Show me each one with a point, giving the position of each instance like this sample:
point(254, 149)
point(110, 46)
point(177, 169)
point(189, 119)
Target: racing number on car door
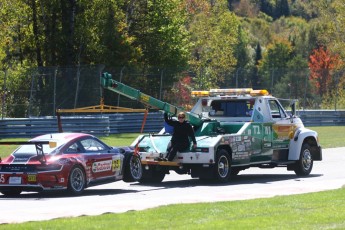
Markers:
point(116, 166)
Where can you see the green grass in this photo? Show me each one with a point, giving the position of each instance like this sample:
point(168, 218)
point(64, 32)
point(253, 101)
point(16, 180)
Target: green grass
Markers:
point(330, 136)
point(322, 210)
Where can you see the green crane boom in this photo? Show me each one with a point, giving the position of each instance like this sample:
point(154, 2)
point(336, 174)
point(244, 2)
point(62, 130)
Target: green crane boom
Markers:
point(108, 83)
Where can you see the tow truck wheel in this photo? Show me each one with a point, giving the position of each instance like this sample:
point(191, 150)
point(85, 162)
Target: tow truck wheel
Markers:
point(222, 166)
point(132, 168)
point(76, 181)
point(304, 165)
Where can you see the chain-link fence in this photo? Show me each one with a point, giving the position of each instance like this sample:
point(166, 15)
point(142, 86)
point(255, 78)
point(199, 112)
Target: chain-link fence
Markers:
point(46, 89)
point(41, 91)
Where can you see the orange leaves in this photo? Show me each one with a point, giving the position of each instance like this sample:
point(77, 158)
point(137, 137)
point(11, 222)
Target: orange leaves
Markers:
point(321, 63)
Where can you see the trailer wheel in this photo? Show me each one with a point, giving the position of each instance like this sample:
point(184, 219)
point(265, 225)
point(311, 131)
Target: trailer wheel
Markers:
point(235, 172)
point(222, 166)
point(152, 176)
point(304, 165)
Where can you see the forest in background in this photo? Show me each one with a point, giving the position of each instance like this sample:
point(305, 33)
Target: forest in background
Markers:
point(293, 48)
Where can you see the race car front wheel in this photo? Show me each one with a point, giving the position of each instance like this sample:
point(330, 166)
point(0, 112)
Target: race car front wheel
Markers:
point(132, 168)
point(76, 181)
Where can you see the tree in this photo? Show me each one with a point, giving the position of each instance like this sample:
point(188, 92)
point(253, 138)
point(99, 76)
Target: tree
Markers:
point(258, 56)
point(158, 28)
point(295, 83)
point(282, 8)
point(15, 33)
point(214, 40)
point(182, 92)
point(321, 64)
point(331, 25)
point(273, 65)
point(297, 31)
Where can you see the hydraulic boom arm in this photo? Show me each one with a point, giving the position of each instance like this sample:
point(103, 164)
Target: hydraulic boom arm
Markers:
point(108, 83)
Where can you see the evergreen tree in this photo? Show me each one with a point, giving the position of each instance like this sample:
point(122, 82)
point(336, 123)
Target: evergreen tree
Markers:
point(282, 8)
point(258, 56)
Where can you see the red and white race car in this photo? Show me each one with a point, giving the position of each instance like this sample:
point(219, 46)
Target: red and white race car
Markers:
point(66, 161)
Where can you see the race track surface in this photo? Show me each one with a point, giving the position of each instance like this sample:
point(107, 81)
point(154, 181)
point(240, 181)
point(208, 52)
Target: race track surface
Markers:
point(120, 197)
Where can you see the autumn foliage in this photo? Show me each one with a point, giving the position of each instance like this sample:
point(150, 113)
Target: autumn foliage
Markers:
point(182, 92)
point(321, 64)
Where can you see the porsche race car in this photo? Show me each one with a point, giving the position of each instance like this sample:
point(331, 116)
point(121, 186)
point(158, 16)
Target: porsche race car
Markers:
point(66, 161)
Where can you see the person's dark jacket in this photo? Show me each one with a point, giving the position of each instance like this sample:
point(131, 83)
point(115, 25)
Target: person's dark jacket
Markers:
point(181, 131)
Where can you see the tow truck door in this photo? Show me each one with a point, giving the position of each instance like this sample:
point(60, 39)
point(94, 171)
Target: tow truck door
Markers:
point(281, 128)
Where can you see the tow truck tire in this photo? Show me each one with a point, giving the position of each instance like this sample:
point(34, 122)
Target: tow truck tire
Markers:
point(11, 192)
point(304, 165)
point(132, 168)
point(76, 181)
point(222, 166)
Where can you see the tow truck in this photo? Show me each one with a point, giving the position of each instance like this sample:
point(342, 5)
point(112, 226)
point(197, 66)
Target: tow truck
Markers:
point(235, 129)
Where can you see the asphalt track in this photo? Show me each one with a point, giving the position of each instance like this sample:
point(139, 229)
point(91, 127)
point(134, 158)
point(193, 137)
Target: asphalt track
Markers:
point(121, 197)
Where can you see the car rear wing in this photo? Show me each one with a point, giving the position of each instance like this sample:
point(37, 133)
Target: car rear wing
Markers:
point(38, 145)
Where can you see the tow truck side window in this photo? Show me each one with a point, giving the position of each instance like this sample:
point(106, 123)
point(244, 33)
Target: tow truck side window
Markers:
point(276, 109)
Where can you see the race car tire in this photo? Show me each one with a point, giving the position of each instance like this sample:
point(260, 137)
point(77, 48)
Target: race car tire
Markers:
point(304, 165)
point(222, 167)
point(132, 168)
point(76, 180)
point(12, 192)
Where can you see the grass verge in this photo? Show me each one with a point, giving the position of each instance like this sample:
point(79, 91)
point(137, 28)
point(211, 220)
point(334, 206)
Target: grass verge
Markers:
point(322, 210)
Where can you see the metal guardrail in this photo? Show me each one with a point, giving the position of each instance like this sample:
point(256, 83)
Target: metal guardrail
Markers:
point(99, 125)
point(322, 117)
point(103, 125)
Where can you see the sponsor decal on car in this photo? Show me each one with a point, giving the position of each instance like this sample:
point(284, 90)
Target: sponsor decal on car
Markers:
point(102, 166)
